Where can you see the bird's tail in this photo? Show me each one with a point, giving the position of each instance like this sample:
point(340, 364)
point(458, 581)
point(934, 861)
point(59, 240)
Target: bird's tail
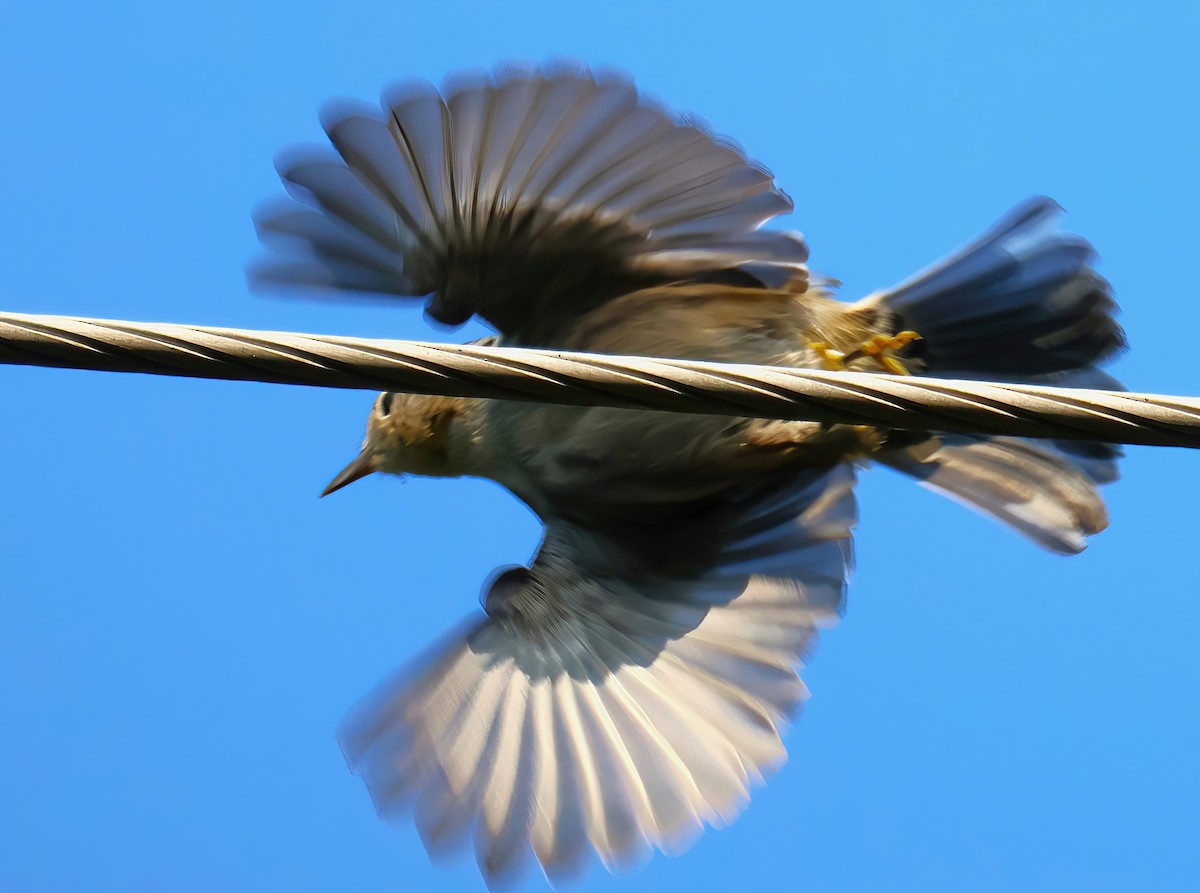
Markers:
point(1022, 304)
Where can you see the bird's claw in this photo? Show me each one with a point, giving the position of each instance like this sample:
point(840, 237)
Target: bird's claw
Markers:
point(877, 347)
point(834, 360)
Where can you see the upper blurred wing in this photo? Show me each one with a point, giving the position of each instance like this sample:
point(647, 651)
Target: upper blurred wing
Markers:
point(528, 198)
point(613, 700)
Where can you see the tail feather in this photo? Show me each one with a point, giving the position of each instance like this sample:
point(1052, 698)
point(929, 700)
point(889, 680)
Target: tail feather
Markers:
point(1022, 304)
point(1033, 488)
point(1021, 301)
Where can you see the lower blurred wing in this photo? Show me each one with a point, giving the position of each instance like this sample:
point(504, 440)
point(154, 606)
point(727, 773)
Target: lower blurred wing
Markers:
point(605, 709)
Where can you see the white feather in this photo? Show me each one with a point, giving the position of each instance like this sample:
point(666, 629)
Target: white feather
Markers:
point(594, 712)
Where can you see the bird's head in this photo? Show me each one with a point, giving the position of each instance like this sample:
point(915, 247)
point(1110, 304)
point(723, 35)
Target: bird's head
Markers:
point(406, 434)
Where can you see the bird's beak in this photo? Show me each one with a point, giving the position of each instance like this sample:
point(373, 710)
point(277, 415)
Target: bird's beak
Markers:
point(359, 468)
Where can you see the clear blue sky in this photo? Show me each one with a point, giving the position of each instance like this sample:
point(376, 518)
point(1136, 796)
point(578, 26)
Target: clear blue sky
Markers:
point(183, 622)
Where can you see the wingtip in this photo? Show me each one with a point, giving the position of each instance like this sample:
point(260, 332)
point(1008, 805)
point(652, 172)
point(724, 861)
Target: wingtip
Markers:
point(335, 111)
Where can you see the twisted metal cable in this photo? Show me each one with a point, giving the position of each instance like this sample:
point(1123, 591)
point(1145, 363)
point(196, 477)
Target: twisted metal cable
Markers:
point(888, 401)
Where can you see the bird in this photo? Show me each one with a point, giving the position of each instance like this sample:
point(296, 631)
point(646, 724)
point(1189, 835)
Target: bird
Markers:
point(631, 685)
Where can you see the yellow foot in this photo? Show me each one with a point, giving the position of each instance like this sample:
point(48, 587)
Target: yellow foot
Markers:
point(879, 348)
point(834, 360)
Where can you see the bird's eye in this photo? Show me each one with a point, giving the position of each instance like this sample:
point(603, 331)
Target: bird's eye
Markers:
point(384, 406)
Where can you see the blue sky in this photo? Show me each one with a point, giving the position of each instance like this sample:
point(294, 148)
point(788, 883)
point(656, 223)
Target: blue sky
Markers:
point(183, 622)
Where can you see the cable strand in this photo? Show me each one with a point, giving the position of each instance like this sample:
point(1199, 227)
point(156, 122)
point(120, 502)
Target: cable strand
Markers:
point(887, 401)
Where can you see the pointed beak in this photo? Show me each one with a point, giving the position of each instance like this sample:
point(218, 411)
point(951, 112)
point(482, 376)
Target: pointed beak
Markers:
point(359, 468)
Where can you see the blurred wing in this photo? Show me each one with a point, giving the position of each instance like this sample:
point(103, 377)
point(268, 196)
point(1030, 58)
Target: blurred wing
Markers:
point(528, 198)
point(609, 708)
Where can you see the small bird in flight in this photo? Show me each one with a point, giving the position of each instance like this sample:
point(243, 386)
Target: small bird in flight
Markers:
point(632, 683)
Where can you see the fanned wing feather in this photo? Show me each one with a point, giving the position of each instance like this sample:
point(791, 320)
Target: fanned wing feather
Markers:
point(592, 712)
point(528, 198)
